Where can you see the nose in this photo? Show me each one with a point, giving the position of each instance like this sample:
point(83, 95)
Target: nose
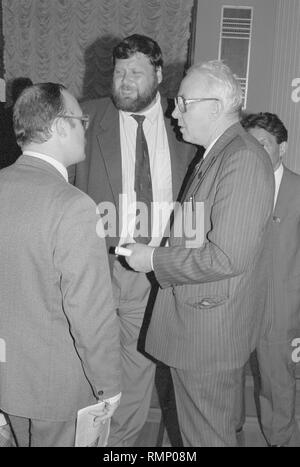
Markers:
point(127, 78)
point(176, 113)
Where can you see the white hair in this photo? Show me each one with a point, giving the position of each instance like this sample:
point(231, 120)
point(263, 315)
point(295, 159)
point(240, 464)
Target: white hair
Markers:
point(221, 82)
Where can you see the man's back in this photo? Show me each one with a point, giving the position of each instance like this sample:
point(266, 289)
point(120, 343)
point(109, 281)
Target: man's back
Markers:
point(46, 294)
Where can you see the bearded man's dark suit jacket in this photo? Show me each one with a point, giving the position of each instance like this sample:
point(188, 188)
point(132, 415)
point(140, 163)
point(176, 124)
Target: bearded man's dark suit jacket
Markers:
point(282, 317)
point(100, 176)
point(207, 314)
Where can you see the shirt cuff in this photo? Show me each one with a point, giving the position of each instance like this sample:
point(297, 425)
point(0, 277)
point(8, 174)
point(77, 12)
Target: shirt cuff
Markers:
point(152, 255)
point(113, 400)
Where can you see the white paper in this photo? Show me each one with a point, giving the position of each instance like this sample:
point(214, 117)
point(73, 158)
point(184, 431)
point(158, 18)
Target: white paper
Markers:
point(2, 420)
point(89, 434)
point(122, 251)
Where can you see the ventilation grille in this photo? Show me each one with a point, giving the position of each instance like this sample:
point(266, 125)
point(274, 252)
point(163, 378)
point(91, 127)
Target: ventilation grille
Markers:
point(235, 42)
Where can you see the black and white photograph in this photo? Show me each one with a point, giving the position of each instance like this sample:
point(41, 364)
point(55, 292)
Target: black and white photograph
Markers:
point(149, 226)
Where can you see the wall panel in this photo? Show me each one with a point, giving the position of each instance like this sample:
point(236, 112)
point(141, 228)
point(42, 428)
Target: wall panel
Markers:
point(285, 100)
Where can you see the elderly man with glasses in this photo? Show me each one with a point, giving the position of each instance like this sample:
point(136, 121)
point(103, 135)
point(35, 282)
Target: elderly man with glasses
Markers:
point(206, 317)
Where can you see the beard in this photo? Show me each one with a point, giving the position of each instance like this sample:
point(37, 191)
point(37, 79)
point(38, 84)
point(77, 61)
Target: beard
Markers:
point(138, 103)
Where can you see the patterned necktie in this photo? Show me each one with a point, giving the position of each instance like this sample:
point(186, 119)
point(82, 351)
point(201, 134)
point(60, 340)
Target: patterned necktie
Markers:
point(142, 185)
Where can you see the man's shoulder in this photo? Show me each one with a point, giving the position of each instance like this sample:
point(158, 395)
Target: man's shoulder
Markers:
point(292, 187)
point(61, 194)
point(97, 106)
point(69, 194)
point(244, 141)
point(293, 176)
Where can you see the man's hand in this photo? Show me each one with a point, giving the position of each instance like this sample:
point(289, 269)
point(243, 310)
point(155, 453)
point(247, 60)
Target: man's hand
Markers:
point(103, 411)
point(140, 259)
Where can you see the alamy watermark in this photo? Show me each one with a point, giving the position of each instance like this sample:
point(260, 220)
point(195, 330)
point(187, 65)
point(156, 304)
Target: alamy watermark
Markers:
point(296, 351)
point(186, 220)
point(2, 351)
point(296, 91)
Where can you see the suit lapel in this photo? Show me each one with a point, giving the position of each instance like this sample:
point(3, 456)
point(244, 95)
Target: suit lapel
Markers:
point(110, 149)
point(204, 166)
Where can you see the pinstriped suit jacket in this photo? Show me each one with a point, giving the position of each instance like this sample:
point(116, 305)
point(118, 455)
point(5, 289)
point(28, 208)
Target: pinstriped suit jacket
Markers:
point(208, 309)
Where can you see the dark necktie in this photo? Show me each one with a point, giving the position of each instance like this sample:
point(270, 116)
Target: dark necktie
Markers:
point(142, 184)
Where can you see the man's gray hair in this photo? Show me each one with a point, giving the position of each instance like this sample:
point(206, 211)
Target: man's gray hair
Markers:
point(221, 83)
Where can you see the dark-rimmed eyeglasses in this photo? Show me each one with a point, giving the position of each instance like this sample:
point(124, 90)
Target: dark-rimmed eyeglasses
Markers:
point(85, 119)
point(182, 103)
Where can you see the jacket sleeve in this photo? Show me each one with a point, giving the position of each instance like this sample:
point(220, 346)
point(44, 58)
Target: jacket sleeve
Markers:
point(81, 258)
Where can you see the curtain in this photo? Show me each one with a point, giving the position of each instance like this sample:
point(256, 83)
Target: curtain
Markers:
point(70, 41)
point(2, 82)
point(1, 44)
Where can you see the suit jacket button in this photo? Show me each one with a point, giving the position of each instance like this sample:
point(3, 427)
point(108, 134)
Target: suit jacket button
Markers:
point(276, 219)
point(100, 393)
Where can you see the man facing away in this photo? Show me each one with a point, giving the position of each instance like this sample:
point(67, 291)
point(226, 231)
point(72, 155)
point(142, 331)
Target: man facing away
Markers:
point(277, 392)
point(109, 175)
point(57, 316)
point(206, 317)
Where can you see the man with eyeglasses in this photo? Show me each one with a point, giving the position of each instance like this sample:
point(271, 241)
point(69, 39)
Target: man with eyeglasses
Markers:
point(207, 316)
point(57, 315)
point(109, 175)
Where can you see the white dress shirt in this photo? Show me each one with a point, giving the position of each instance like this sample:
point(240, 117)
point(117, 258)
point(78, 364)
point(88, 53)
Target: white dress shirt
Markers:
point(160, 167)
point(278, 177)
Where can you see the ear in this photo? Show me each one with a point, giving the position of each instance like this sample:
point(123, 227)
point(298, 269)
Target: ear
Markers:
point(159, 74)
point(282, 149)
point(217, 108)
point(59, 126)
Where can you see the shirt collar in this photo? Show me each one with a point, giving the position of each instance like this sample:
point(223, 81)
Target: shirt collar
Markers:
point(279, 170)
point(55, 163)
point(210, 146)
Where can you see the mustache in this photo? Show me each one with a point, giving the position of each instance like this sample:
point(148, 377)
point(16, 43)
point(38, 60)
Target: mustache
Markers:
point(126, 87)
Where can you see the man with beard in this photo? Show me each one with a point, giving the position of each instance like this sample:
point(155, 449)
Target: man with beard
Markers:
point(118, 129)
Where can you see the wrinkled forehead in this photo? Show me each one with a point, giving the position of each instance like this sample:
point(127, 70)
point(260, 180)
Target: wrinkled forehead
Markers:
point(138, 59)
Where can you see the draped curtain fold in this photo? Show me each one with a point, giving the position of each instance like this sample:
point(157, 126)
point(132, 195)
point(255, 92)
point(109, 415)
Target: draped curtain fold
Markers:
point(1, 44)
point(70, 41)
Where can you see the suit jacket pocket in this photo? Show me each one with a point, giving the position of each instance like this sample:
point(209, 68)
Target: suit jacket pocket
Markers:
point(206, 303)
point(203, 296)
